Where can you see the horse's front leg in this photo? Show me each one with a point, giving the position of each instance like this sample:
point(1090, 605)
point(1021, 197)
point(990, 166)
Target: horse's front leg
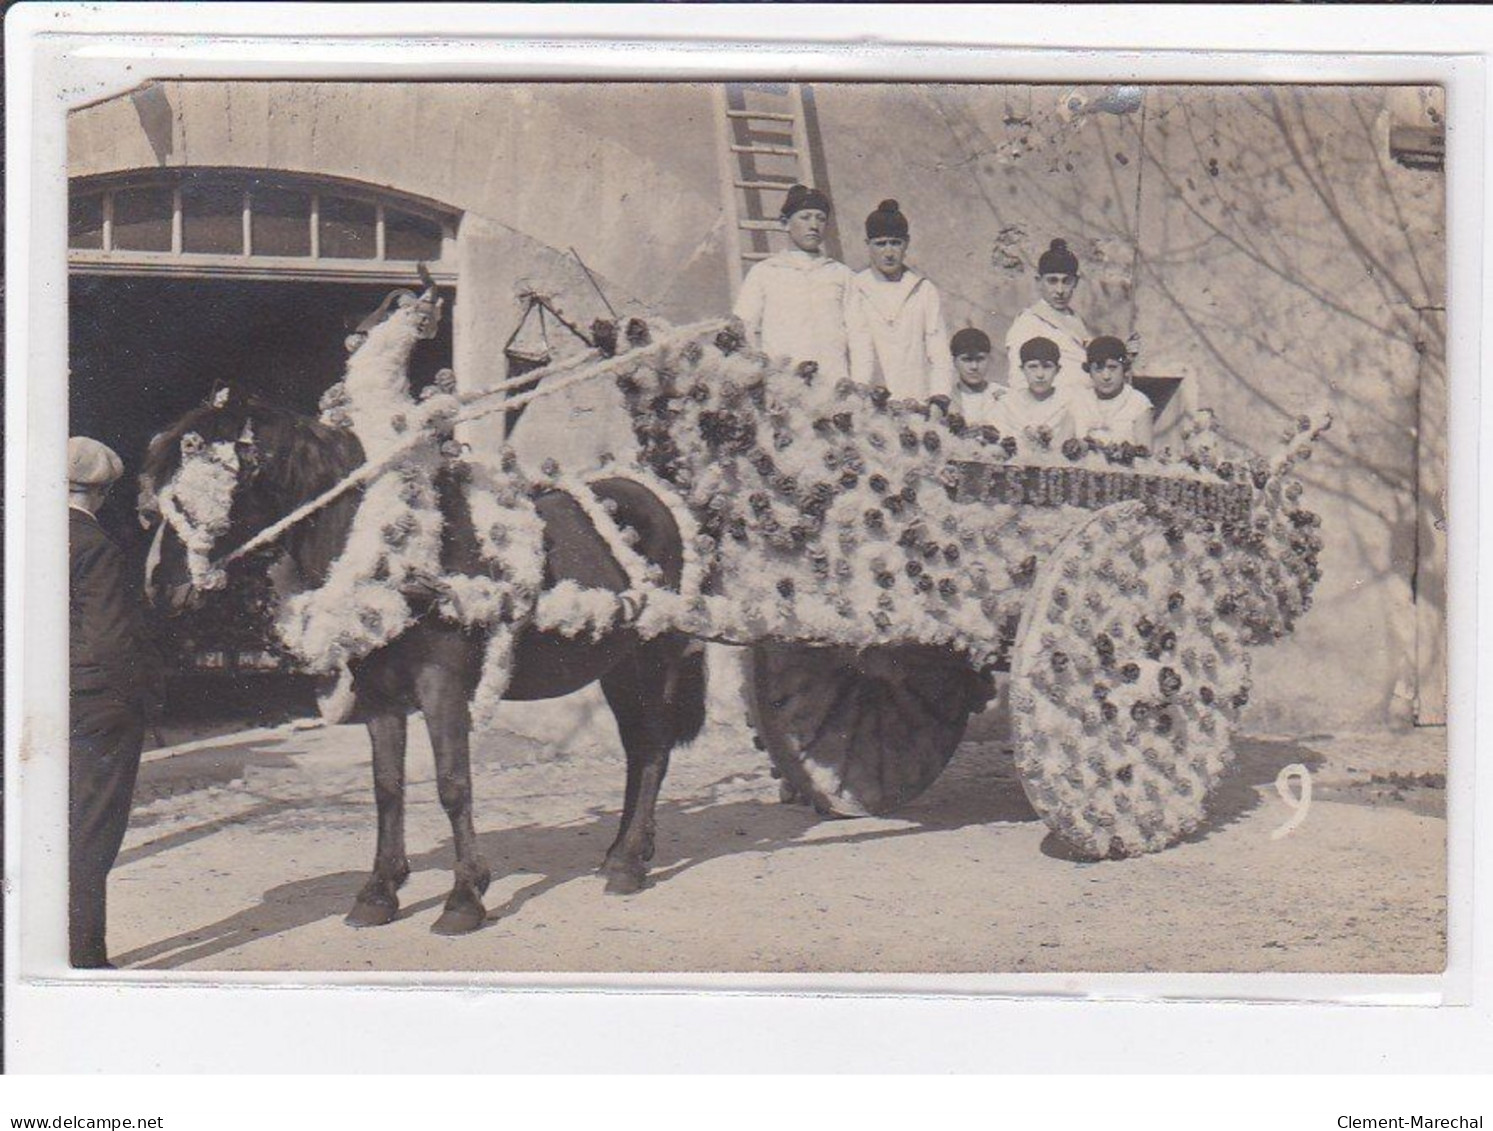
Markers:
point(378, 902)
point(449, 721)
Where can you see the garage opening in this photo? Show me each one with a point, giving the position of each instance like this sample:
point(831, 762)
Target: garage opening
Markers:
point(185, 278)
point(144, 350)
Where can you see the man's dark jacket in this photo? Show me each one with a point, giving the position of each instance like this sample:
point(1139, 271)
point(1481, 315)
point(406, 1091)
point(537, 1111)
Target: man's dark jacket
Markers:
point(112, 661)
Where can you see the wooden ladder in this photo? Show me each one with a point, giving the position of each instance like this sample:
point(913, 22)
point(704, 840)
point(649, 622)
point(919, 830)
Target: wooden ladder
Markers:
point(763, 145)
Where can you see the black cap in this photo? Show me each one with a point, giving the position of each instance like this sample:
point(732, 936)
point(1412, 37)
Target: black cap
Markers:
point(1057, 260)
point(1041, 349)
point(1105, 348)
point(801, 197)
point(969, 340)
point(887, 220)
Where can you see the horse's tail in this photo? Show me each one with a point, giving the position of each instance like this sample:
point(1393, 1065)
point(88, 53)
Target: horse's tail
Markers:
point(689, 694)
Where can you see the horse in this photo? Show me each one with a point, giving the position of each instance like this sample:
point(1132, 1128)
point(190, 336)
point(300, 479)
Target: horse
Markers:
point(272, 460)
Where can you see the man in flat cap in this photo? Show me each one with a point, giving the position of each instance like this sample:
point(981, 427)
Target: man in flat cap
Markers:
point(115, 681)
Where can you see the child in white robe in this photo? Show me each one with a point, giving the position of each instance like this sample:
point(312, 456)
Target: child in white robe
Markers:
point(1038, 414)
point(792, 304)
point(894, 318)
point(975, 396)
point(1052, 317)
point(1112, 410)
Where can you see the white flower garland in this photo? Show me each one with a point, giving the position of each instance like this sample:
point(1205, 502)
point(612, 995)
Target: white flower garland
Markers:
point(510, 532)
point(697, 548)
point(396, 533)
point(376, 384)
point(395, 537)
point(197, 503)
point(510, 535)
point(497, 673)
point(571, 609)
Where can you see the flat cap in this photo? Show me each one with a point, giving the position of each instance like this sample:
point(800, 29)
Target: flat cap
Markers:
point(90, 463)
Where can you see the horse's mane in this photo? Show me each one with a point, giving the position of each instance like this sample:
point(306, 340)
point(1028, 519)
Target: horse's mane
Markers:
point(303, 456)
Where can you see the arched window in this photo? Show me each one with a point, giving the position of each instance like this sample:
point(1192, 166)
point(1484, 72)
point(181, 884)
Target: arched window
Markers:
point(254, 224)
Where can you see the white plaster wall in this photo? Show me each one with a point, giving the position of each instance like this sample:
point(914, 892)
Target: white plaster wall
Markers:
point(518, 153)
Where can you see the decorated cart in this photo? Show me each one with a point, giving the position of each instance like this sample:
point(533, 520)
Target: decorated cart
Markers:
point(878, 564)
point(882, 565)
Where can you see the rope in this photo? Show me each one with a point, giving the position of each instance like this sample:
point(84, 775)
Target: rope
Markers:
point(601, 294)
point(590, 371)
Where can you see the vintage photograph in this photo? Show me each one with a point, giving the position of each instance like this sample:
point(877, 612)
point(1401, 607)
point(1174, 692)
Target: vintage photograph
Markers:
point(757, 527)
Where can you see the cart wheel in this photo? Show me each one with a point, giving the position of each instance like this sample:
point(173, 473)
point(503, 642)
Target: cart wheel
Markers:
point(1126, 685)
point(859, 733)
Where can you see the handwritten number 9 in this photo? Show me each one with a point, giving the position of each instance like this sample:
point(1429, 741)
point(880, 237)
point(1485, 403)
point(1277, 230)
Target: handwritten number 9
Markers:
point(1298, 802)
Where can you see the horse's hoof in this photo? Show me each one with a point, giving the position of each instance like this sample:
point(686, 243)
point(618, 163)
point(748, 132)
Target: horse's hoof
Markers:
point(460, 922)
point(371, 915)
point(626, 881)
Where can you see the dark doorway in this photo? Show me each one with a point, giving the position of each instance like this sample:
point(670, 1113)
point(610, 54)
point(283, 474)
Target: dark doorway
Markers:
point(143, 350)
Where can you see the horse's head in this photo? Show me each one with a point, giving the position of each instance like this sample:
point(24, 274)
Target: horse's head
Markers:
point(193, 484)
point(416, 315)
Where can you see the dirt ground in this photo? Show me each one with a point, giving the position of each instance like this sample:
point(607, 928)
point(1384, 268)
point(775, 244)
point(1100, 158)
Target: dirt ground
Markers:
point(246, 850)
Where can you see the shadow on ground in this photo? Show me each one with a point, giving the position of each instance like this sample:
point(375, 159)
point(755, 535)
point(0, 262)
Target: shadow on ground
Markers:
point(202, 769)
point(1257, 764)
point(218, 766)
point(281, 909)
point(979, 788)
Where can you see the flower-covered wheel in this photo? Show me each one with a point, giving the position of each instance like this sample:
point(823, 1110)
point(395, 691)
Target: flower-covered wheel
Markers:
point(1127, 679)
point(859, 732)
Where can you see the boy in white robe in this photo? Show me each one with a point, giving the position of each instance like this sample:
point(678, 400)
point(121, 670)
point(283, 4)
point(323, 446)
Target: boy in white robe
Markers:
point(1038, 415)
point(792, 304)
point(894, 318)
point(1112, 410)
point(975, 396)
point(1052, 317)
